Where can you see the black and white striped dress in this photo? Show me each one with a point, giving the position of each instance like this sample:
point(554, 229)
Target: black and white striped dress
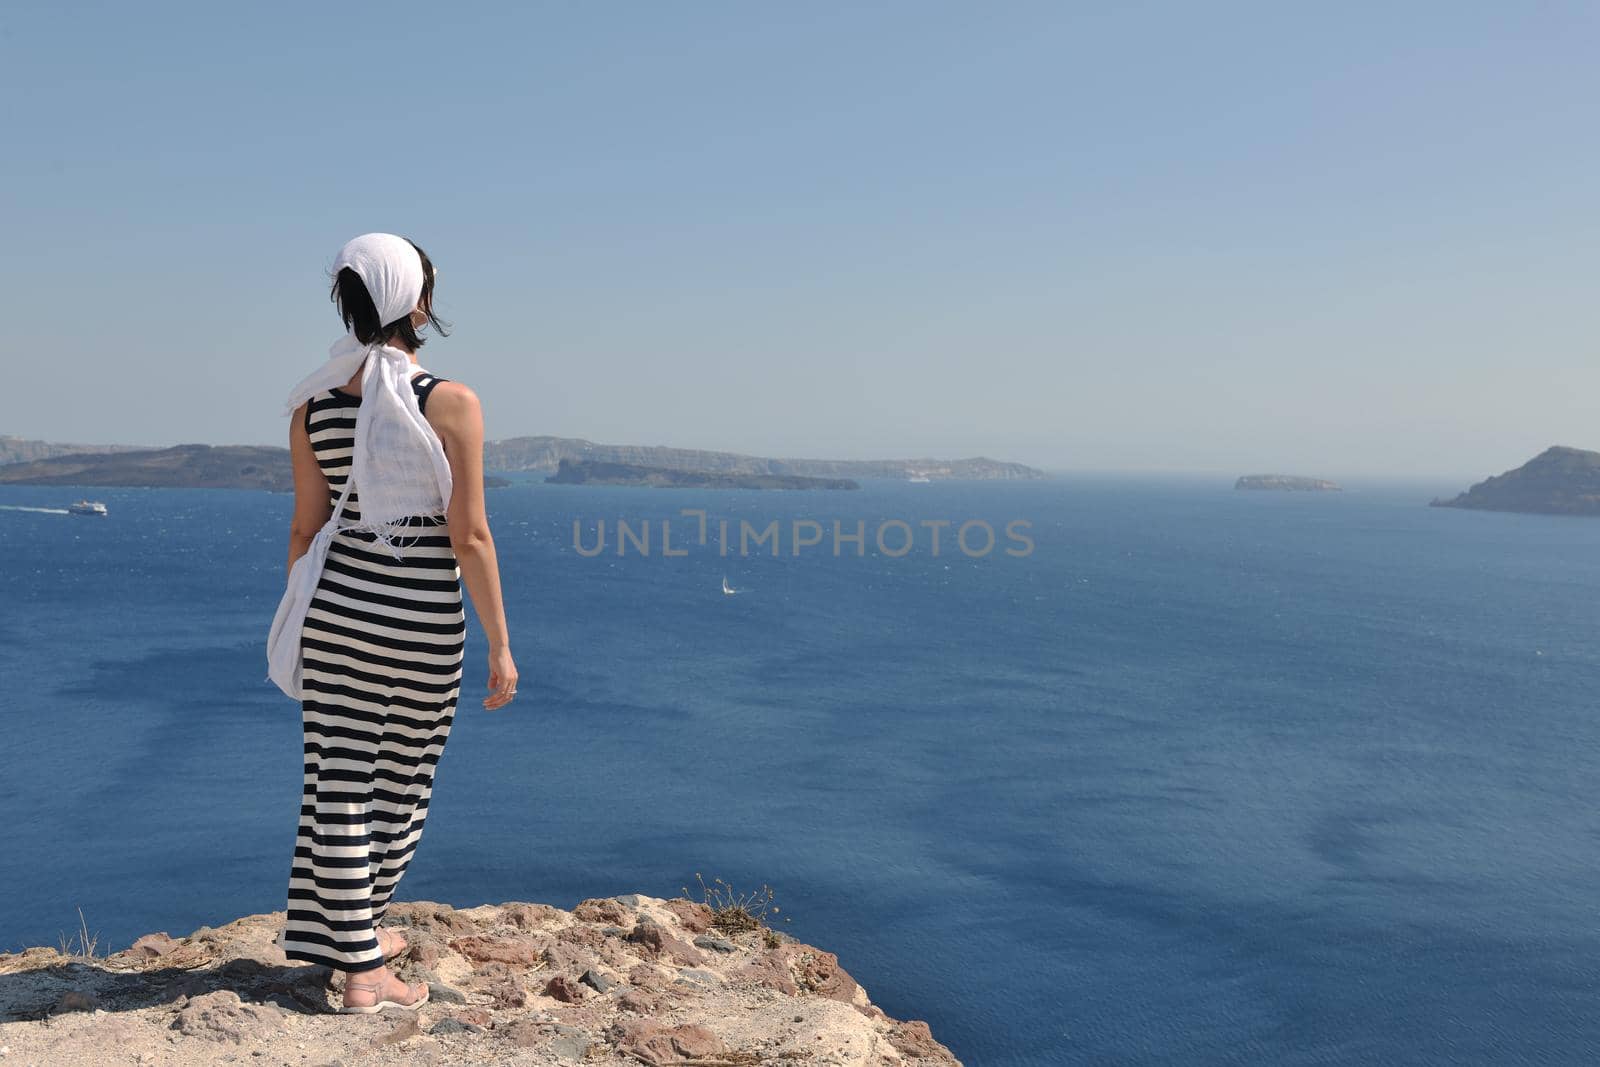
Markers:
point(381, 670)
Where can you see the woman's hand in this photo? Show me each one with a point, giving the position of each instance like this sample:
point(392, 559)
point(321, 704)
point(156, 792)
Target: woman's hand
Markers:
point(502, 678)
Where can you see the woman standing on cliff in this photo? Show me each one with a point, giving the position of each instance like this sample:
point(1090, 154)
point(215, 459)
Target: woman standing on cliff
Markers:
point(370, 634)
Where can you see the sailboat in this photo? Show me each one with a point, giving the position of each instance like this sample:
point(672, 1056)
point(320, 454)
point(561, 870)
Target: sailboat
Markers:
point(727, 590)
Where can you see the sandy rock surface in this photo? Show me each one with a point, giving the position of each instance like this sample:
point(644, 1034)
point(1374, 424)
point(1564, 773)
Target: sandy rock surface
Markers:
point(616, 981)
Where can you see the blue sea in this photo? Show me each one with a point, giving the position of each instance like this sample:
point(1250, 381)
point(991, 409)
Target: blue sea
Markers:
point(1206, 777)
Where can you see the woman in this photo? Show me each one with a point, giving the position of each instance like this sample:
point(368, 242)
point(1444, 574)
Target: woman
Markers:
point(379, 647)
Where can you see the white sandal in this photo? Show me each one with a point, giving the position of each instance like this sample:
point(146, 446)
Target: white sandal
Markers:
point(380, 931)
point(373, 1009)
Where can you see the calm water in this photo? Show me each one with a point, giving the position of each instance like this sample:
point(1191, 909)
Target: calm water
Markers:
point(1210, 777)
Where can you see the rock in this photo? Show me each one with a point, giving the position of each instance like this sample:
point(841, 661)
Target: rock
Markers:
point(819, 973)
point(407, 1028)
point(648, 935)
point(507, 993)
point(647, 976)
point(299, 988)
point(717, 944)
point(426, 949)
point(150, 946)
point(913, 1038)
point(517, 951)
point(601, 910)
point(530, 1031)
point(597, 981)
point(654, 1043)
point(439, 993)
point(74, 1000)
point(695, 917)
point(452, 1025)
point(769, 969)
point(438, 918)
point(526, 1033)
point(795, 969)
point(529, 916)
point(587, 936)
point(657, 943)
point(29, 959)
point(637, 1001)
point(241, 971)
point(698, 976)
point(564, 989)
point(565, 957)
point(472, 1016)
point(491, 971)
point(221, 1016)
point(570, 1043)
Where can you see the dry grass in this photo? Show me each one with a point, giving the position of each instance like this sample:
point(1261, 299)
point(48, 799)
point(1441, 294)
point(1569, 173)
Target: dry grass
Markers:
point(736, 913)
point(80, 944)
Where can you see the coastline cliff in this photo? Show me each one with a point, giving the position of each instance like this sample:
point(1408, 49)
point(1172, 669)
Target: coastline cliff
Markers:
point(615, 982)
point(1558, 481)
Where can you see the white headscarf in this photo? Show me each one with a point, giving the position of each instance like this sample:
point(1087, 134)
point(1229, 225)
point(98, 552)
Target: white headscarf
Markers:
point(397, 462)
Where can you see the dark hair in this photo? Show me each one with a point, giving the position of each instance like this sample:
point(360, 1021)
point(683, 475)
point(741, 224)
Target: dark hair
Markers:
point(360, 315)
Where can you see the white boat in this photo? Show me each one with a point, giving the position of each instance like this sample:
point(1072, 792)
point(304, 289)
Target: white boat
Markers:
point(727, 590)
point(918, 476)
point(87, 507)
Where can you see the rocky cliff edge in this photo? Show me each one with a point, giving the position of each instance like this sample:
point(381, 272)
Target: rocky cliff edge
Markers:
point(615, 981)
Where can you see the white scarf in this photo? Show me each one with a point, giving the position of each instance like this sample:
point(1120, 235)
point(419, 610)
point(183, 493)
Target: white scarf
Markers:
point(397, 461)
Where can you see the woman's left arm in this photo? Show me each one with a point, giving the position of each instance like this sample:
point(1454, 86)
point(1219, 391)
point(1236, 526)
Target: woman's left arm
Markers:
point(311, 504)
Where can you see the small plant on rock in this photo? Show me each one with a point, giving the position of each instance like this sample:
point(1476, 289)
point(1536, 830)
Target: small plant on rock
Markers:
point(80, 944)
point(737, 913)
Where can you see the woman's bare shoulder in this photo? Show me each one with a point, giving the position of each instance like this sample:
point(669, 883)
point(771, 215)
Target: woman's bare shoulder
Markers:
point(453, 394)
point(453, 404)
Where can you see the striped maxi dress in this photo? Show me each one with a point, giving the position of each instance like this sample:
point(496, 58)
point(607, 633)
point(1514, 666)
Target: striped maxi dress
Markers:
point(381, 670)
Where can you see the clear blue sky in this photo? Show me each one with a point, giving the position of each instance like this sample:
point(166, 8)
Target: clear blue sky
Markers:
point(1326, 239)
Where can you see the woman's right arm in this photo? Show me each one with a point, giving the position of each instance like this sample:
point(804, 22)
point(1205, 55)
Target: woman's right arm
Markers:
point(311, 504)
point(457, 417)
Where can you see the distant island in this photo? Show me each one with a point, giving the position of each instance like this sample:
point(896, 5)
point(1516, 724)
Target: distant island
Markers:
point(1290, 482)
point(14, 449)
point(30, 462)
point(178, 467)
point(593, 472)
point(1558, 481)
point(544, 454)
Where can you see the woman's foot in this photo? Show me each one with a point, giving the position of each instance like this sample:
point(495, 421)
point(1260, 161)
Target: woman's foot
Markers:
point(364, 990)
point(391, 942)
